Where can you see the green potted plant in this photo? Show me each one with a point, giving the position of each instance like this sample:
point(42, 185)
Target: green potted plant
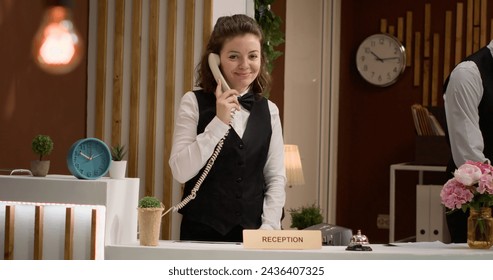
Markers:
point(42, 145)
point(150, 212)
point(306, 216)
point(149, 202)
point(118, 165)
point(118, 151)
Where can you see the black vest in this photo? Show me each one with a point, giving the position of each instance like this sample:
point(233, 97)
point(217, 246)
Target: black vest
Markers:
point(484, 61)
point(233, 192)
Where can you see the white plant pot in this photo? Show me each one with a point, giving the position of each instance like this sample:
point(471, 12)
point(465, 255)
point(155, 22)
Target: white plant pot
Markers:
point(118, 169)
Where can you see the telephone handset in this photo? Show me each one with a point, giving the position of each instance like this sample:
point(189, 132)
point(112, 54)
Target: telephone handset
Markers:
point(214, 62)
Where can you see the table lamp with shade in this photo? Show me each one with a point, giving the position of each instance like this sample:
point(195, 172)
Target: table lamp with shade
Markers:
point(292, 163)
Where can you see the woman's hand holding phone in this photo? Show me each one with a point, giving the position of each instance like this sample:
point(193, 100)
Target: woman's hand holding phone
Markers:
point(226, 103)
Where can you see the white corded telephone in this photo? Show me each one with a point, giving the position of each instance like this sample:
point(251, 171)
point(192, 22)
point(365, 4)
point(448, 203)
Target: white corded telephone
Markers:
point(214, 62)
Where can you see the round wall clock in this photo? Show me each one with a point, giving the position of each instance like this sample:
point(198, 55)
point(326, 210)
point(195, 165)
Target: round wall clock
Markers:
point(381, 59)
point(89, 158)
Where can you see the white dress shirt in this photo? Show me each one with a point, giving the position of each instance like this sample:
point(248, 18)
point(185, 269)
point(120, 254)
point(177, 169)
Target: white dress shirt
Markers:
point(190, 152)
point(461, 100)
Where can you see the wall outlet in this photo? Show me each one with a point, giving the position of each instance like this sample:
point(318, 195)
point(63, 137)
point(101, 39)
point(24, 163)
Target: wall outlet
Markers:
point(383, 221)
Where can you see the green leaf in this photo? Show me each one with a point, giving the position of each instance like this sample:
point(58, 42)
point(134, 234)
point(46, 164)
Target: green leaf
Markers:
point(149, 202)
point(305, 216)
point(270, 24)
point(42, 145)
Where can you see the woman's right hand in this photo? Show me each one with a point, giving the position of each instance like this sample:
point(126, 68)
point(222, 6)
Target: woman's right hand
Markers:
point(226, 103)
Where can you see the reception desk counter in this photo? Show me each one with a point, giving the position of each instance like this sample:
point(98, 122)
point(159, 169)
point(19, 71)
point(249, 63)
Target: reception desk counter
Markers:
point(176, 250)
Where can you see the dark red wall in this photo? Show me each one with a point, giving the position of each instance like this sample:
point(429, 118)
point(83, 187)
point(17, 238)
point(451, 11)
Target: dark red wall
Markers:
point(31, 101)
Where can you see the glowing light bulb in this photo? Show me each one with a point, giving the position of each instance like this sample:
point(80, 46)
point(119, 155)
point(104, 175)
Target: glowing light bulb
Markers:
point(57, 46)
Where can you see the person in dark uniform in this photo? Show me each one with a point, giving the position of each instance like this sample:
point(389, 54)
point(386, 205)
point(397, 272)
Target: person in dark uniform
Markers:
point(245, 185)
point(468, 102)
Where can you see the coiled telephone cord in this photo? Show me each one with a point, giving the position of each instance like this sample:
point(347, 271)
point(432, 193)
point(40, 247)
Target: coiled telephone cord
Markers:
point(201, 179)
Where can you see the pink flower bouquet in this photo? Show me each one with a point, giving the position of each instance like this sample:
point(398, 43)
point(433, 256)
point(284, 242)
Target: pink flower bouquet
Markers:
point(471, 187)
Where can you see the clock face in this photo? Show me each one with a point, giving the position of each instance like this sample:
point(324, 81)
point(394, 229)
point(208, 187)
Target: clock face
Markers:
point(89, 158)
point(381, 59)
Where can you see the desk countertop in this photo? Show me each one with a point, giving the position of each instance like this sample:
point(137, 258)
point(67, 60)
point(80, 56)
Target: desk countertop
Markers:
point(214, 251)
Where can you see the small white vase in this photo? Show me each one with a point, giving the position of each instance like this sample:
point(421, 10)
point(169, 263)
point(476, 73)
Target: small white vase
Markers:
point(118, 169)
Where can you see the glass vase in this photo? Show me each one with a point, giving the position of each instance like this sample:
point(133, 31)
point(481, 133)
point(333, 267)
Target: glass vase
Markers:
point(480, 228)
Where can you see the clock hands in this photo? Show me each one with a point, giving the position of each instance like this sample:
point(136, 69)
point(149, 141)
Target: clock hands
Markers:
point(389, 58)
point(90, 157)
point(376, 56)
point(96, 156)
point(84, 155)
point(383, 59)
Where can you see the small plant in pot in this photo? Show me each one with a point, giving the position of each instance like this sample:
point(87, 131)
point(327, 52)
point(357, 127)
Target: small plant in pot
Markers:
point(306, 216)
point(150, 214)
point(42, 145)
point(118, 151)
point(118, 165)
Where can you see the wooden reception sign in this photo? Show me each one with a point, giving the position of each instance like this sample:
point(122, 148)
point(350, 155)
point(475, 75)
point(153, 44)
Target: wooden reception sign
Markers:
point(282, 239)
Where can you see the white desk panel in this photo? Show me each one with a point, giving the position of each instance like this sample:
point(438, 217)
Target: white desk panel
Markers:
point(120, 196)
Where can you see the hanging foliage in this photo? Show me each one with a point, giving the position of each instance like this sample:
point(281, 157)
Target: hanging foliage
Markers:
point(270, 24)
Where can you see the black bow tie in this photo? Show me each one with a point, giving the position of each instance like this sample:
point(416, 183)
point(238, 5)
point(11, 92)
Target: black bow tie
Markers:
point(247, 100)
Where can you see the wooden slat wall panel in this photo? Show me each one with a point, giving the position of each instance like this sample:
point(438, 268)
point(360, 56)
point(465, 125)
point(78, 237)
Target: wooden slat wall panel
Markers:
point(427, 31)
point(400, 29)
point(491, 29)
point(417, 59)
point(146, 52)
point(8, 248)
point(391, 30)
point(458, 32)
point(447, 44)
point(435, 82)
point(207, 22)
point(116, 112)
point(476, 22)
point(189, 44)
point(470, 36)
point(169, 110)
point(94, 230)
point(101, 69)
point(483, 24)
point(475, 33)
point(477, 7)
point(38, 232)
point(152, 72)
point(383, 25)
point(469, 26)
point(69, 234)
point(409, 37)
point(475, 38)
point(426, 82)
point(133, 142)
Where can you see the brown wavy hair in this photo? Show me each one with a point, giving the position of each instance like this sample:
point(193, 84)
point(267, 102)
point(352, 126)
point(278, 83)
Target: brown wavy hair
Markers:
point(226, 28)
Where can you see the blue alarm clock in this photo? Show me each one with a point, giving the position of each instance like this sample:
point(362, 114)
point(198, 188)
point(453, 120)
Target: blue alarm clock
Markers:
point(89, 158)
